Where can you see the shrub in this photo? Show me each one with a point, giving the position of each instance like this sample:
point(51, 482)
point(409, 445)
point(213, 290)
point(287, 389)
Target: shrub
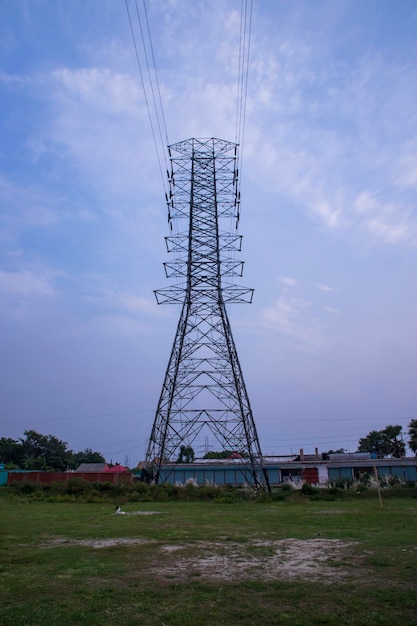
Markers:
point(280, 494)
point(105, 487)
point(25, 487)
point(328, 497)
point(364, 479)
point(345, 483)
point(58, 488)
point(140, 489)
point(361, 488)
point(331, 494)
point(94, 496)
point(263, 497)
point(78, 486)
point(308, 490)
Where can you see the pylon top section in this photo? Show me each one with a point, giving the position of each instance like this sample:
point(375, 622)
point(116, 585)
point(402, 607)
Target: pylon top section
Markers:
point(212, 144)
point(203, 214)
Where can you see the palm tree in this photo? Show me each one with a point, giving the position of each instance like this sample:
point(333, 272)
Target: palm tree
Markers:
point(394, 444)
point(373, 442)
point(412, 433)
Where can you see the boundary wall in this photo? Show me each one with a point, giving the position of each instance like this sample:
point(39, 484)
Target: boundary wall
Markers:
point(53, 477)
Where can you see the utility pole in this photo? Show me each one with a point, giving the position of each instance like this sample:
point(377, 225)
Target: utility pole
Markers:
point(203, 392)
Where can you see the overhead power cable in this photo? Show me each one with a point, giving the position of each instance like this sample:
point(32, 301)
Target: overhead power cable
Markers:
point(156, 76)
point(150, 88)
point(75, 417)
point(246, 11)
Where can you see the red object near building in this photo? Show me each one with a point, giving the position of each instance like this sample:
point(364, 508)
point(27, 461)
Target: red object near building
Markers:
point(310, 475)
point(115, 469)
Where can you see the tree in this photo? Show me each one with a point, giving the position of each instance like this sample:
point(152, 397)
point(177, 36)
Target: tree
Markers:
point(35, 463)
point(393, 441)
point(223, 454)
point(44, 452)
point(217, 455)
point(53, 451)
point(327, 454)
point(86, 456)
point(338, 451)
point(412, 433)
point(10, 451)
point(186, 455)
point(373, 443)
point(386, 442)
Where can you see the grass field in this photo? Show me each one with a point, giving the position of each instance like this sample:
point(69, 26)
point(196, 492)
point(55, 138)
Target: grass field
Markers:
point(207, 563)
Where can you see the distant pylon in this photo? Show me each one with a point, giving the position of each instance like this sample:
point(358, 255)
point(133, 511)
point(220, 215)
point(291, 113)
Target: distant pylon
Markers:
point(203, 389)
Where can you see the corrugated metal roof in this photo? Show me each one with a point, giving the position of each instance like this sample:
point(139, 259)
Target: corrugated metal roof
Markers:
point(350, 456)
point(92, 467)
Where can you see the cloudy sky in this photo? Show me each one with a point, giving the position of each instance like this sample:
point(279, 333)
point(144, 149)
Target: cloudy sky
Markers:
point(329, 217)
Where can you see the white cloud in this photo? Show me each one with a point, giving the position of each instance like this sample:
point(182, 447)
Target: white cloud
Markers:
point(26, 295)
point(329, 215)
point(94, 131)
point(406, 169)
point(290, 319)
point(13, 80)
point(135, 304)
point(365, 202)
point(392, 221)
point(103, 292)
point(391, 233)
point(25, 284)
point(314, 128)
point(99, 90)
point(119, 325)
point(290, 282)
point(324, 287)
point(336, 134)
point(322, 131)
point(26, 207)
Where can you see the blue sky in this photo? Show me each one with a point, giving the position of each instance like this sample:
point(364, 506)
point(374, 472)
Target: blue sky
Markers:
point(329, 217)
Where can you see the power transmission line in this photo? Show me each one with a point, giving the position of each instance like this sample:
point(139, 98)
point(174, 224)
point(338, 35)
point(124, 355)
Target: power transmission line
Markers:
point(243, 75)
point(157, 118)
point(156, 75)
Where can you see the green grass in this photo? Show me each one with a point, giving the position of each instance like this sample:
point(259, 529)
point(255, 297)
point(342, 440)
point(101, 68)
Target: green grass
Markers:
point(208, 563)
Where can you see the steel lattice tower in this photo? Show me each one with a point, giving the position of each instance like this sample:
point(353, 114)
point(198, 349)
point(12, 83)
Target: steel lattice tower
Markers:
point(203, 388)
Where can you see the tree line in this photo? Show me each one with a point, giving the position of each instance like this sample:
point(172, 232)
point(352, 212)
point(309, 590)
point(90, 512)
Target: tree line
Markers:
point(390, 441)
point(35, 451)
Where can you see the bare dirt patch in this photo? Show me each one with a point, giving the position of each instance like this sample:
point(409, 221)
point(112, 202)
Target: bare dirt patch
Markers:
point(289, 558)
point(255, 559)
point(143, 512)
point(93, 543)
point(138, 513)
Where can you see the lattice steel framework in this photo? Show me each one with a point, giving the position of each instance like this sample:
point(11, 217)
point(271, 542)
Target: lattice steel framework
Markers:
point(203, 389)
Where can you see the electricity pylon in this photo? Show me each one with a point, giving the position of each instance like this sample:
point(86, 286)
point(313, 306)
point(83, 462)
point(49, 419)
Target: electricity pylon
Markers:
point(203, 389)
